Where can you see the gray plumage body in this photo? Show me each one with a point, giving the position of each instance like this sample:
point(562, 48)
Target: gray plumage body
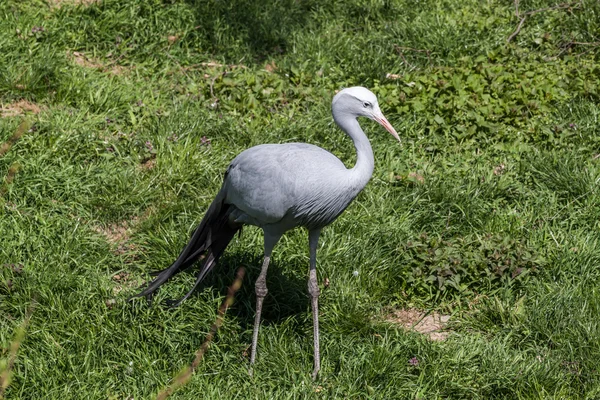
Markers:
point(278, 187)
point(281, 186)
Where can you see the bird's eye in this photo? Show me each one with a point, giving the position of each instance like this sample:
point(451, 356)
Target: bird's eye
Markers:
point(366, 104)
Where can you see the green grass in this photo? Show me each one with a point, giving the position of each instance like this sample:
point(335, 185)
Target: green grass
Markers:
point(488, 211)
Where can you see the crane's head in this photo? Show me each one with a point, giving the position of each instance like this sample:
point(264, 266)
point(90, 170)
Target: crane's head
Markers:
point(361, 102)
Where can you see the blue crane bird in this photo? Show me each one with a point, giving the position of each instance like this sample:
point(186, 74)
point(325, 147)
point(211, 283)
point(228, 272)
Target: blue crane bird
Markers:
point(278, 187)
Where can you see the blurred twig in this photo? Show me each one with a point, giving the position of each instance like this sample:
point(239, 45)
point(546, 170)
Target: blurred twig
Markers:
point(5, 147)
point(10, 176)
point(6, 375)
point(184, 376)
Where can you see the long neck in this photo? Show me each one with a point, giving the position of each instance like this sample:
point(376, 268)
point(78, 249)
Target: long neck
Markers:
point(362, 171)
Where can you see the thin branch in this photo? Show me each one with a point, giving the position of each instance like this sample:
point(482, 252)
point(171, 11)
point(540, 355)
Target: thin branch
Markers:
point(212, 84)
point(568, 46)
point(516, 32)
point(524, 16)
point(213, 64)
point(556, 7)
point(402, 49)
point(184, 376)
point(585, 52)
point(586, 43)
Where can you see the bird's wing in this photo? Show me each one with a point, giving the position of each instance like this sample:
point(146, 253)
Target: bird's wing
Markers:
point(268, 182)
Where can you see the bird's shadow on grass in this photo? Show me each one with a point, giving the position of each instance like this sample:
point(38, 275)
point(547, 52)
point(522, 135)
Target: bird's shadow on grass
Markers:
point(287, 294)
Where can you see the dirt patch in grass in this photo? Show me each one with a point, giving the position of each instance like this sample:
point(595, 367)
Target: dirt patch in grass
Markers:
point(433, 324)
point(60, 3)
point(118, 235)
point(118, 232)
point(123, 281)
point(17, 108)
point(148, 164)
point(90, 62)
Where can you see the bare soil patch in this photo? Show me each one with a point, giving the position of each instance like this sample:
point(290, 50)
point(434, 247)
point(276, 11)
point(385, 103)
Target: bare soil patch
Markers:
point(17, 108)
point(118, 235)
point(118, 232)
point(89, 62)
point(148, 164)
point(433, 324)
point(60, 3)
point(123, 281)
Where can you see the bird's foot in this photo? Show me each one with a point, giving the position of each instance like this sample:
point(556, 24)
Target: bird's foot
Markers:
point(315, 374)
point(171, 303)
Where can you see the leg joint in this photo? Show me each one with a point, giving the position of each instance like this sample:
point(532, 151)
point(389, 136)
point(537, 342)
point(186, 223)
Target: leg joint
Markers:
point(313, 288)
point(261, 287)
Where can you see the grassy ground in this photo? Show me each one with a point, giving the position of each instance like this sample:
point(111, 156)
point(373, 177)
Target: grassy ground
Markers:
point(119, 118)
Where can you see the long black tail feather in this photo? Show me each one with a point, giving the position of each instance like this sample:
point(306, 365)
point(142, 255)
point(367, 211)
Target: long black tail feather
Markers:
point(210, 239)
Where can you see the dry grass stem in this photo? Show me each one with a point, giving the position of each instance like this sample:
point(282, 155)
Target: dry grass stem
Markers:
point(185, 375)
point(6, 375)
point(23, 127)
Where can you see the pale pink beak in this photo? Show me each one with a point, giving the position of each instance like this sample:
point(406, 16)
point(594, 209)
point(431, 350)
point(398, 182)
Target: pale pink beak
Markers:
point(378, 116)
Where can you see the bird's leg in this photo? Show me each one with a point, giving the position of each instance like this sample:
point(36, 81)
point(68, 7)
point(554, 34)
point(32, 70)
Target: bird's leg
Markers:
point(261, 292)
point(313, 290)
